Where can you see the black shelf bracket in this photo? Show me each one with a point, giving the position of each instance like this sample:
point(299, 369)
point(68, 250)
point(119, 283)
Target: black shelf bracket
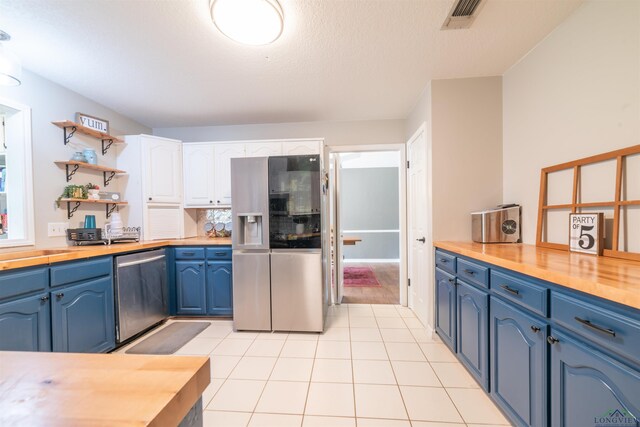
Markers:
point(70, 210)
point(68, 134)
point(107, 180)
point(106, 144)
point(71, 172)
point(110, 210)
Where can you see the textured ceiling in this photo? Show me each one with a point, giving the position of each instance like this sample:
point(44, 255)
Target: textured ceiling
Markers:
point(163, 63)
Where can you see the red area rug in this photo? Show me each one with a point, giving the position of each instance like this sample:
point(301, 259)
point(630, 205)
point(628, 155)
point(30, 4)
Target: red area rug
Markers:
point(360, 277)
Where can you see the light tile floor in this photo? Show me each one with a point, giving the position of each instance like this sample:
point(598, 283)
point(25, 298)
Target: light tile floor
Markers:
point(374, 366)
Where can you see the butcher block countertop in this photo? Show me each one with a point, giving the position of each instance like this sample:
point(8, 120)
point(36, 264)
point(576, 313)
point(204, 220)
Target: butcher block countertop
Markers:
point(33, 257)
point(66, 389)
point(613, 279)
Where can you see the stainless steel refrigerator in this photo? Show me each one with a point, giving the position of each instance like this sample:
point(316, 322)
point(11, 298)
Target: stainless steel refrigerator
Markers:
point(277, 244)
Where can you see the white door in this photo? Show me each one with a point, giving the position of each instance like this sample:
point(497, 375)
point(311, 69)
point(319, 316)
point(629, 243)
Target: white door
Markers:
point(338, 232)
point(163, 177)
point(199, 177)
point(297, 148)
point(263, 149)
point(419, 252)
point(223, 155)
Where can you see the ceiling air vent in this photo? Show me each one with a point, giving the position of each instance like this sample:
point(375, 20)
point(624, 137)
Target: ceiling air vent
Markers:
point(462, 14)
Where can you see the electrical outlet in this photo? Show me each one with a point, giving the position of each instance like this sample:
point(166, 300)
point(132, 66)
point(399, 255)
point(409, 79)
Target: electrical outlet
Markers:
point(57, 229)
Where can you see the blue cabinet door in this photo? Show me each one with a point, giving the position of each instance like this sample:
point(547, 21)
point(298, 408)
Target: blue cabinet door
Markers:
point(190, 287)
point(83, 317)
point(446, 307)
point(25, 324)
point(519, 364)
point(219, 288)
point(472, 331)
point(589, 388)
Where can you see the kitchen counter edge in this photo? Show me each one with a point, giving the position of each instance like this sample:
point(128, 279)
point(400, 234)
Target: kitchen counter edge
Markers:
point(612, 279)
point(83, 252)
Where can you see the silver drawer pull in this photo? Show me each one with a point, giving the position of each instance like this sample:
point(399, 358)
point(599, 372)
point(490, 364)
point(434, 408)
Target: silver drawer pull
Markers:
point(510, 290)
point(596, 327)
point(470, 272)
point(443, 260)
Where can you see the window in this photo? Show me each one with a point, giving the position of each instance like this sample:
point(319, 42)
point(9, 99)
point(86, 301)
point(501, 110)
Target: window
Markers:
point(16, 180)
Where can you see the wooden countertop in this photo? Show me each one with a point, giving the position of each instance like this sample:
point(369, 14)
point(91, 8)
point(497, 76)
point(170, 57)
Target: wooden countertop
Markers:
point(613, 279)
point(33, 257)
point(66, 389)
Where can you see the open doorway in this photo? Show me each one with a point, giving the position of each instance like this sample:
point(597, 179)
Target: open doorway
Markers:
point(367, 225)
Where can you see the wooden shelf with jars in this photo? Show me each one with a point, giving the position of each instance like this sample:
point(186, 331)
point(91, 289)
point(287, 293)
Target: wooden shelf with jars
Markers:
point(72, 167)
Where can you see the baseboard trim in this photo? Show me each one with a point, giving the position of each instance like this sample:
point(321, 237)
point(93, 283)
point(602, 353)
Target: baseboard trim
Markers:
point(370, 261)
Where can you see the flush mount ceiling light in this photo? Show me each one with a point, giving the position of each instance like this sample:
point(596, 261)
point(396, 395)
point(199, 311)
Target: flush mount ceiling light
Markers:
point(10, 67)
point(253, 22)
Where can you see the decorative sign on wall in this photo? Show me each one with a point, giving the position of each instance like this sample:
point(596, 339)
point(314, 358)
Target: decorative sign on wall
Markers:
point(585, 232)
point(95, 123)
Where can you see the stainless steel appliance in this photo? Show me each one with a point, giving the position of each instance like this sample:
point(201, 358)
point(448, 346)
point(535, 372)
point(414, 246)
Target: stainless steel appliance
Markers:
point(140, 292)
point(277, 244)
point(499, 225)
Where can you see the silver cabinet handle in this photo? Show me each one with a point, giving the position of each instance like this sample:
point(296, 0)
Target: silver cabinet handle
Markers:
point(44, 298)
point(142, 261)
point(470, 272)
point(552, 340)
point(535, 328)
point(588, 324)
point(510, 290)
point(59, 295)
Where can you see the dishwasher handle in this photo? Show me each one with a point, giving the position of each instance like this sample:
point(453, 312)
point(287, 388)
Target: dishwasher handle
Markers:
point(141, 261)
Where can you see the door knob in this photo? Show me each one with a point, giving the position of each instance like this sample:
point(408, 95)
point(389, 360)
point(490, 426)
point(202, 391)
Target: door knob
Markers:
point(421, 240)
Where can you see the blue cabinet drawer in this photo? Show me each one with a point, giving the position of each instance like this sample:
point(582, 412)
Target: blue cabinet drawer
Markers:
point(473, 272)
point(81, 270)
point(610, 330)
point(445, 262)
point(22, 282)
point(526, 294)
point(223, 253)
point(189, 253)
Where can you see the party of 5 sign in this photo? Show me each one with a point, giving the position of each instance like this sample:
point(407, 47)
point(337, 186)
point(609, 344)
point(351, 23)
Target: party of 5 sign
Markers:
point(585, 233)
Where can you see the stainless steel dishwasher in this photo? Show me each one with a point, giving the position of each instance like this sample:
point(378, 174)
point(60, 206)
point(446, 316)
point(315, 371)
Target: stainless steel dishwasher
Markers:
point(140, 292)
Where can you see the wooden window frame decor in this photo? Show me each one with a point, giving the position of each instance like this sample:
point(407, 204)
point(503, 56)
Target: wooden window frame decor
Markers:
point(616, 204)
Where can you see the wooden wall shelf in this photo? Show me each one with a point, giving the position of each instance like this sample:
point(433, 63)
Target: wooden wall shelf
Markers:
point(110, 205)
point(72, 167)
point(70, 128)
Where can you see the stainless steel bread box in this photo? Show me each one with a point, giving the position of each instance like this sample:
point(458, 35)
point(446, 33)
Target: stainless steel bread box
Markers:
point(499, 225)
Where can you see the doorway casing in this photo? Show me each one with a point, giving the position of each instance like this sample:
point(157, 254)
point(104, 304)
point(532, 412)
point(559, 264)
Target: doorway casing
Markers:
point(401, 149)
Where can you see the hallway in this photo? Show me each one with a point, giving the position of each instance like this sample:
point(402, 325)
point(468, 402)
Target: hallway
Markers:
point(388, 275)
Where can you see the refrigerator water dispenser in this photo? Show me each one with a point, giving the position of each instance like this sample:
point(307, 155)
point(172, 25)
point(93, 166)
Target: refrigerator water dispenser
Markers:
point(250, 229)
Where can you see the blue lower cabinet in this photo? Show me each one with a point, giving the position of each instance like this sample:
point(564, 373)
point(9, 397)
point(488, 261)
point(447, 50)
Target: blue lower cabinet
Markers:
point(190, 287)
point(82, 317)
point(219, 288)
point(446, 308)
point(518, 354)
point(472, 331)
point(25, 324)
point(589, 388)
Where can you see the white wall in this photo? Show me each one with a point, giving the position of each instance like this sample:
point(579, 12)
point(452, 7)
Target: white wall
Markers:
point(466, 117)
point(574, 95)
point(464, 130)
point(334, 133)
point(51, 102)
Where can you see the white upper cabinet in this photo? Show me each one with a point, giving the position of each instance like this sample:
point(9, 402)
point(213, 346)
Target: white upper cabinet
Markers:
point(163, 169)
point(296, 148)
point(199, 175)
point(222, 169)
point(263, 149)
